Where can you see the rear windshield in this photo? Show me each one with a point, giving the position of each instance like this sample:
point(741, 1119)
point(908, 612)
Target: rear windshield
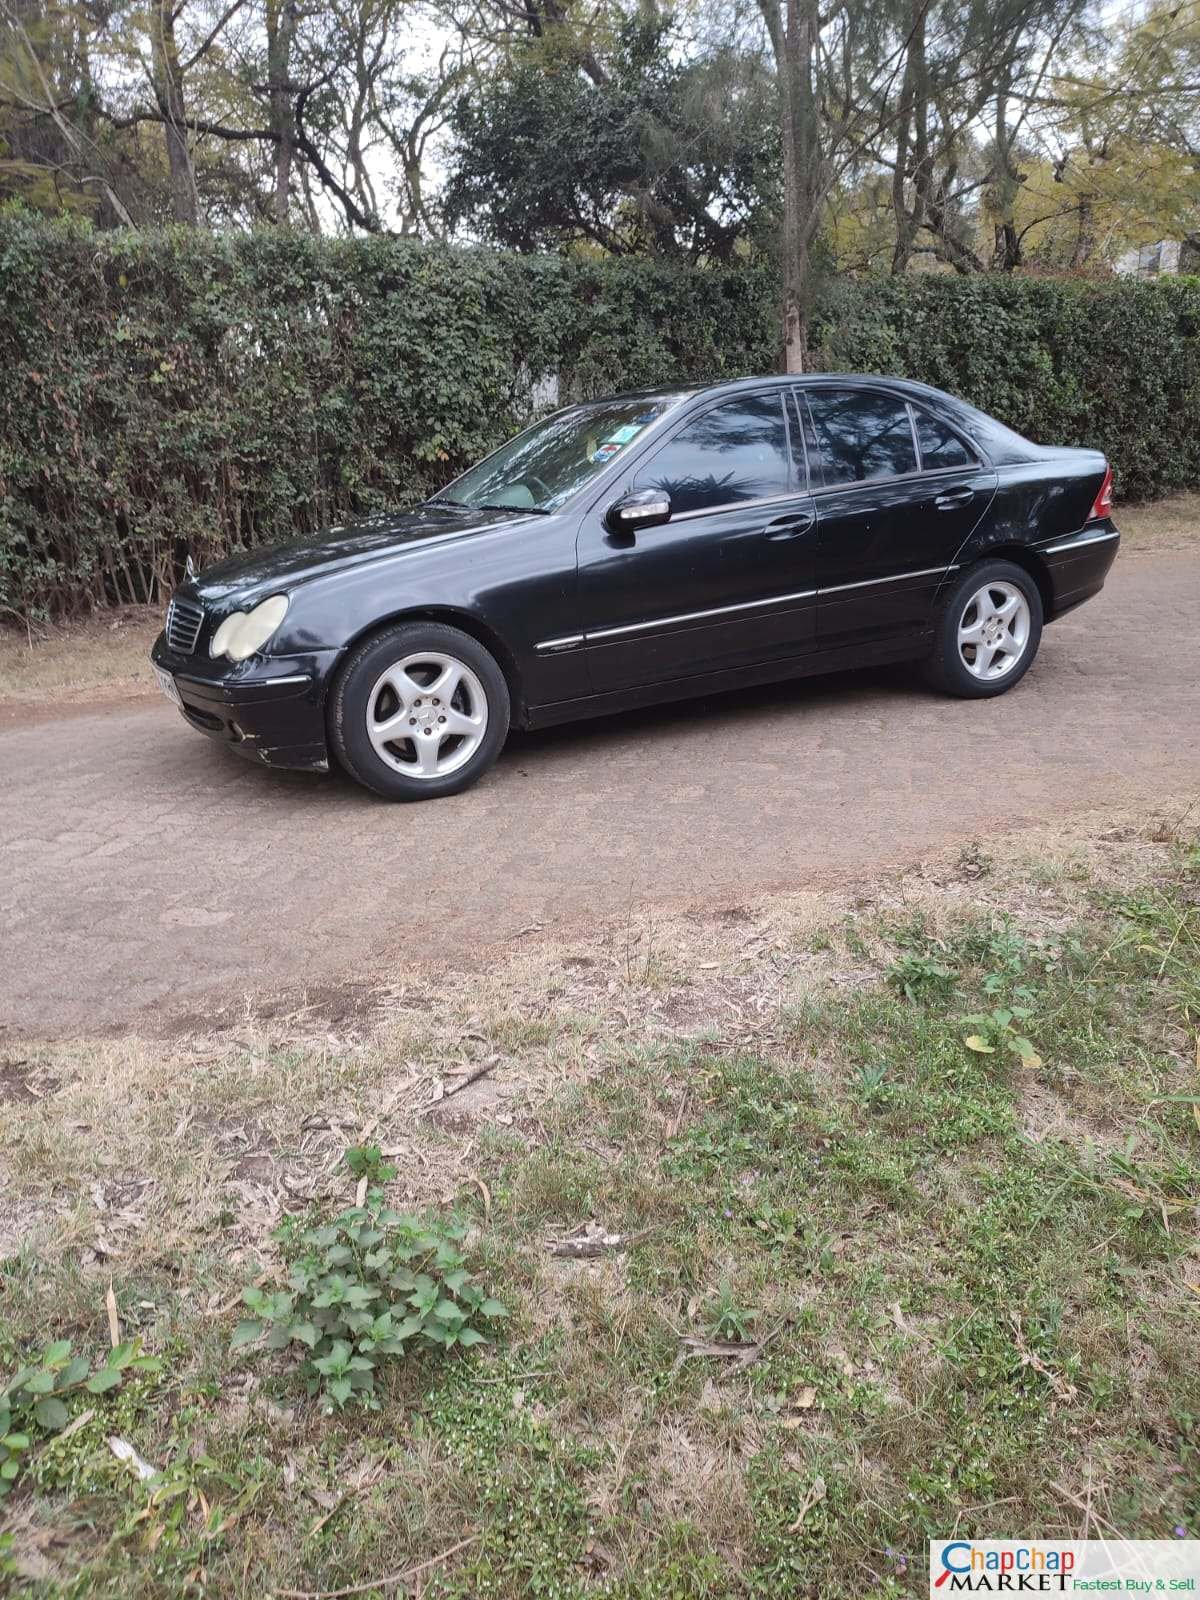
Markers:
point(1000, 444)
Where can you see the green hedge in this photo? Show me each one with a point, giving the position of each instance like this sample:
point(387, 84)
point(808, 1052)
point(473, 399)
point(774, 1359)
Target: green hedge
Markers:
point(1115, 364)
point(178, 390)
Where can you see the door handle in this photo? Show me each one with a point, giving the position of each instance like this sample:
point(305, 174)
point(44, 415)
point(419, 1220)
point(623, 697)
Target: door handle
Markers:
point(953, 498)
point(790, 527)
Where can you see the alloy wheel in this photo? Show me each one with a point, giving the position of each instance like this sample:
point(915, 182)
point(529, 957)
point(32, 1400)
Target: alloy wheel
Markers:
point(993, 630)
point(427, 715)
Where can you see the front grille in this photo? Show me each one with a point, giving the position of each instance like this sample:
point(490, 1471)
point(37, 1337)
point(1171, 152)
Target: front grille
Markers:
point(184, 621)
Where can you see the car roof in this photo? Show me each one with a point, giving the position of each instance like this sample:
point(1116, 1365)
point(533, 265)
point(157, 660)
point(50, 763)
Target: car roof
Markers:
point(680, 391)
point(1000, 443)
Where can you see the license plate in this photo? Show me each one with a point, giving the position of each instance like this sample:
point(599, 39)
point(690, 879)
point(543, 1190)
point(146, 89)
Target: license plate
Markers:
point(167, 684)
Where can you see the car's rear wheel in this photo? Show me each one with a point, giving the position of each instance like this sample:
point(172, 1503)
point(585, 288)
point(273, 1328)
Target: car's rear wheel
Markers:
point(988, 631)
point(419, 711)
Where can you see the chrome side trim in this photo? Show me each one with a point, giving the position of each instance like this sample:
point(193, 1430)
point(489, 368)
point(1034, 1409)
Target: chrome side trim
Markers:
point(1075, 542)
point(567, 642)
point(695, 616)
point(752, 605)
point(740, 505)
point(893, 577)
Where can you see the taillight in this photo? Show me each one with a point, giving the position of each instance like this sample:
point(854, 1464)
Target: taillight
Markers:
point(1102, 504)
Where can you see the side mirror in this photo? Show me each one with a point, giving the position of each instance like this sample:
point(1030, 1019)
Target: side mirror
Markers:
point(640, 508)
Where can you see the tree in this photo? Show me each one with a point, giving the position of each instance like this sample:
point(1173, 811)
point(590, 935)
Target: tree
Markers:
point(262, 109)
point(52, 152)
point(630, 149)
point(1127, 156)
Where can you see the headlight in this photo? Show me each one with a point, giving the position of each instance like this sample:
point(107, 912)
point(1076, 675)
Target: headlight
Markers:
point(241, 634)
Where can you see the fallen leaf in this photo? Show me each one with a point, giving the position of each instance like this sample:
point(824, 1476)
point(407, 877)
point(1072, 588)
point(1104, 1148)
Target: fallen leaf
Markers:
point(976, 1042)
point(114, 1322)
point(815, 1495)
point(124, 1451)
point(1063, 1388)
point(593, 1240)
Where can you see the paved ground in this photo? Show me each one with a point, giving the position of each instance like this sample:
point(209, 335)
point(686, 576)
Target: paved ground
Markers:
point(143, 870)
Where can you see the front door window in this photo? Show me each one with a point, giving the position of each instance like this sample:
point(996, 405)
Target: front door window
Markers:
point(728, 455)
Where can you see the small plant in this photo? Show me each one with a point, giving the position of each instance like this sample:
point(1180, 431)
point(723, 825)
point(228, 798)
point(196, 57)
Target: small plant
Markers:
point(974, 861)
point(872, 1085)
point(371, 1285)
point(995, 1029)
point(778, 1226)
point(921, 977)
point(366, 1161)
point(784, 1229)
point(33, 1402)
point(726, 1318)
point(1154, 1192)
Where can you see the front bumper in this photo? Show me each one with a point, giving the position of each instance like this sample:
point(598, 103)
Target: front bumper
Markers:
point(269, 709)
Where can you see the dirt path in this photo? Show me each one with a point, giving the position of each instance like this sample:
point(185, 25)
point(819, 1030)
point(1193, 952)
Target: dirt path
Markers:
point(144, 870)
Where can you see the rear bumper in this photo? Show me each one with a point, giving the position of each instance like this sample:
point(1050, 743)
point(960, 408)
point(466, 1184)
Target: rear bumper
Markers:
point(269, 710)
point(1078, 563)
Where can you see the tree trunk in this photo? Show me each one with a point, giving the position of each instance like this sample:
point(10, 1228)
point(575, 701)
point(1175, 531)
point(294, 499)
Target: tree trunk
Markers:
point(795, 313)
point(1085, 236)
point(795, 255)
point(1008, 254)
point(281, 30)
point(168, 89)
point(794, 40)
point(1006, 185)
point(912, 145)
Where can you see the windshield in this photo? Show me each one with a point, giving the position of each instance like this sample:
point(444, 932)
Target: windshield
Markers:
point(542, 467)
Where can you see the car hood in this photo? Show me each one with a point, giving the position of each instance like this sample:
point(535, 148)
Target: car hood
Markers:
point(257, 573)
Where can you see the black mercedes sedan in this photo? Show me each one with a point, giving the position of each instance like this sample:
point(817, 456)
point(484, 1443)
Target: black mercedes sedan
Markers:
point(644, 548)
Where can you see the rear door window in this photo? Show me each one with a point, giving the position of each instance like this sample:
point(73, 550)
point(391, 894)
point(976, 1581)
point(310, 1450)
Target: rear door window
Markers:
point(862, 436)
point(940, 445)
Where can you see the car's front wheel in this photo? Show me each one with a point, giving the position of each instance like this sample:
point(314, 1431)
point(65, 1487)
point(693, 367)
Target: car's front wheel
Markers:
point(418, 711)
point(987, 632)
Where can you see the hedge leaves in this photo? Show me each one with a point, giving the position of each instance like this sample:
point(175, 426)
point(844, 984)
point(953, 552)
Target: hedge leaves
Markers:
point(182, 391)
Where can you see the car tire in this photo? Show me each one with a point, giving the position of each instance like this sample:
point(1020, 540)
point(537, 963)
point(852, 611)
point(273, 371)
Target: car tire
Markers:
point(418, 711)
point(987, 631)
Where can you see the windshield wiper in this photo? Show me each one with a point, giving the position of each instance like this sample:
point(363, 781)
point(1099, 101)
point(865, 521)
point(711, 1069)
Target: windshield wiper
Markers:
point(483, 505)
point(525, 511)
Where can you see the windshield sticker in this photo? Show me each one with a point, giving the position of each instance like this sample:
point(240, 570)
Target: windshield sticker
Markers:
point(625, 434)
point(606, 451)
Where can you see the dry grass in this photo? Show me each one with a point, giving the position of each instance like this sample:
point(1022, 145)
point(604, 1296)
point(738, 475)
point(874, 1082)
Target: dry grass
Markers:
point(1153, 525)
point(102, 657)
point(253, 1118)
point(699, 1076)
